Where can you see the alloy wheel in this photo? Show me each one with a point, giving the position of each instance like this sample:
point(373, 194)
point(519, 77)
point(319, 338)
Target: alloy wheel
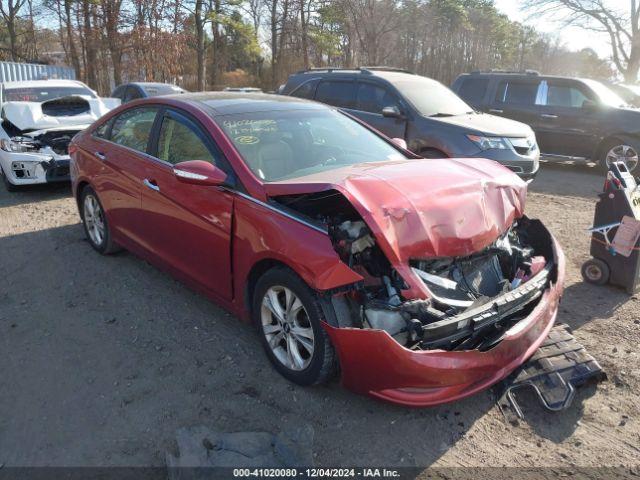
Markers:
point(287, 328)
point(94, 220)
point(623, 153)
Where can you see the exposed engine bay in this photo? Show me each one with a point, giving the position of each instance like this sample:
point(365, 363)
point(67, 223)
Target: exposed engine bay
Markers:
point(473, 300)
point(42, 141)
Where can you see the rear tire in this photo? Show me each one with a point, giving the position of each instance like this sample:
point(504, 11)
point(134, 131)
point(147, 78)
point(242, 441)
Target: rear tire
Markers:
point(96, 225)
point(288, 316)
point(7, 184)
point(596, 272)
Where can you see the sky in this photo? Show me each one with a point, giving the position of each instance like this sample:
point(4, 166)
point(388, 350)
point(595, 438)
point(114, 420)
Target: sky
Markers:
point(573, 38)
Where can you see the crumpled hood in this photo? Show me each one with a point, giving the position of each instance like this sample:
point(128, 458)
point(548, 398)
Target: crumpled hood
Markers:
point(29, 115)
point(491, 125)
point(424, 208)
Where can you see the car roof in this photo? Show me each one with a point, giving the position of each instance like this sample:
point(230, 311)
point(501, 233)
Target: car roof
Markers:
point(389, 74)
point(227, 103)
point(44, 83)
point(529, 75)
point(152, 84)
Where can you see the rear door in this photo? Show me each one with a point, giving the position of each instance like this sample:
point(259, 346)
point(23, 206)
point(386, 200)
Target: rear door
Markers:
point(371, 98)
point(515, 98)
point(566, 128)
point(121, 147)
point(188, 227)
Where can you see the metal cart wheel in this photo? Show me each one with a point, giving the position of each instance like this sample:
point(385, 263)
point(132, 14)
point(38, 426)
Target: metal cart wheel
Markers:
point(596, 272)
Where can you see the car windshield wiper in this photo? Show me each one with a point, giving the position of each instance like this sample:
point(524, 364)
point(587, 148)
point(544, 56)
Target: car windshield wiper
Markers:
point(440, 114)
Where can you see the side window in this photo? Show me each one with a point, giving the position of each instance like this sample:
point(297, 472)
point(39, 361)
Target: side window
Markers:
point(338, 94)
point(372, 98)
point(514, 92)
point(306, 90)
point(565, 96)
point(102, 130)
point(180, 140)
point(132, 128)
point(132, 94)
point(473, 90)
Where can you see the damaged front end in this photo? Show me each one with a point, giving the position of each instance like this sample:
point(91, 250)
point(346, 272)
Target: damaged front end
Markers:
point(478, 315)
point(36, 137)
point(37, 157)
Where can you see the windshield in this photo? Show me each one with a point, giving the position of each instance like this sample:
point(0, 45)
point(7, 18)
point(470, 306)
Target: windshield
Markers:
point(431, 98)
point(605, 94)
point(42, 94)
point(280, 145)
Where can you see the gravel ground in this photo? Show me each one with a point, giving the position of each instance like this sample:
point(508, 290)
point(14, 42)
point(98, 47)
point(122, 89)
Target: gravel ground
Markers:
point(104, 358)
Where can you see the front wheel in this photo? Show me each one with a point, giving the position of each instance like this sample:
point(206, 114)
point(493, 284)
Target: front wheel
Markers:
point(288, 316)
point(618, 151)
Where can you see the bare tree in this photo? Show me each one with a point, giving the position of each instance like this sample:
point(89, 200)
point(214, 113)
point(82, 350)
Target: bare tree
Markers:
point(10, 11)
point(623, 28)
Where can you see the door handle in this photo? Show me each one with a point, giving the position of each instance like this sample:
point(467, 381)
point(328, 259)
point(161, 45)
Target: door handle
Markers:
point(549, 116)
point(151, 184)
point(494, 110)
point(101, 156)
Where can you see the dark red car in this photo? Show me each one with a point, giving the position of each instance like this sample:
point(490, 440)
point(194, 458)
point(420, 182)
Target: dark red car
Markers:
point(421, 279)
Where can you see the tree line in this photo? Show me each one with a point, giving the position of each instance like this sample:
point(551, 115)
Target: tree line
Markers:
point(209, 44)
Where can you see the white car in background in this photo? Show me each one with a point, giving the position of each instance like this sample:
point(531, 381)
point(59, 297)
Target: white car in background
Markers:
point(39, 118)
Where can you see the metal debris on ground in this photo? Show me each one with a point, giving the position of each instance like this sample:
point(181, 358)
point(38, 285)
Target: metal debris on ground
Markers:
point(559, 366)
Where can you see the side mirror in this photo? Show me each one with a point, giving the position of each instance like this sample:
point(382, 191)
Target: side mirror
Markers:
point(199, 172)
point(589, 105)
point(400, 142)
point(391, 112)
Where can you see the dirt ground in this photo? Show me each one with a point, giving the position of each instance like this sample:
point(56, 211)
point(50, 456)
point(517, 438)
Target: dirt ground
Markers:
point(102, 359)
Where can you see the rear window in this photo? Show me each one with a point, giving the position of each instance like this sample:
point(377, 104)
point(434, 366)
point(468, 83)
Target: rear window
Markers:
point(474, 89)
point(338, 94)
point(517, 93)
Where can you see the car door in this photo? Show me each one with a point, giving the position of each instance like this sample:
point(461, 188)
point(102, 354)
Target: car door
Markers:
point(515, 98)
point(188, 226)
point(566, 127)
point(370, 100)
point(119, 147)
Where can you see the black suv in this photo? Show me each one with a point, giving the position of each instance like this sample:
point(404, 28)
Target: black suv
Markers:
point(574, 118)
point(434, 121)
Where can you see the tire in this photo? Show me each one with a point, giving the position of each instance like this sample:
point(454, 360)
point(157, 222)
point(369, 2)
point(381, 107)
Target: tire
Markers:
point(596, 272)
point(94, 220)
point(622, 151)
point(290, 335)
point(433, 153)
point(7, 184)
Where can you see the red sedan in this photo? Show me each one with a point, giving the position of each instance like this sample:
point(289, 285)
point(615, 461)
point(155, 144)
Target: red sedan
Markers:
point(421, 279)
